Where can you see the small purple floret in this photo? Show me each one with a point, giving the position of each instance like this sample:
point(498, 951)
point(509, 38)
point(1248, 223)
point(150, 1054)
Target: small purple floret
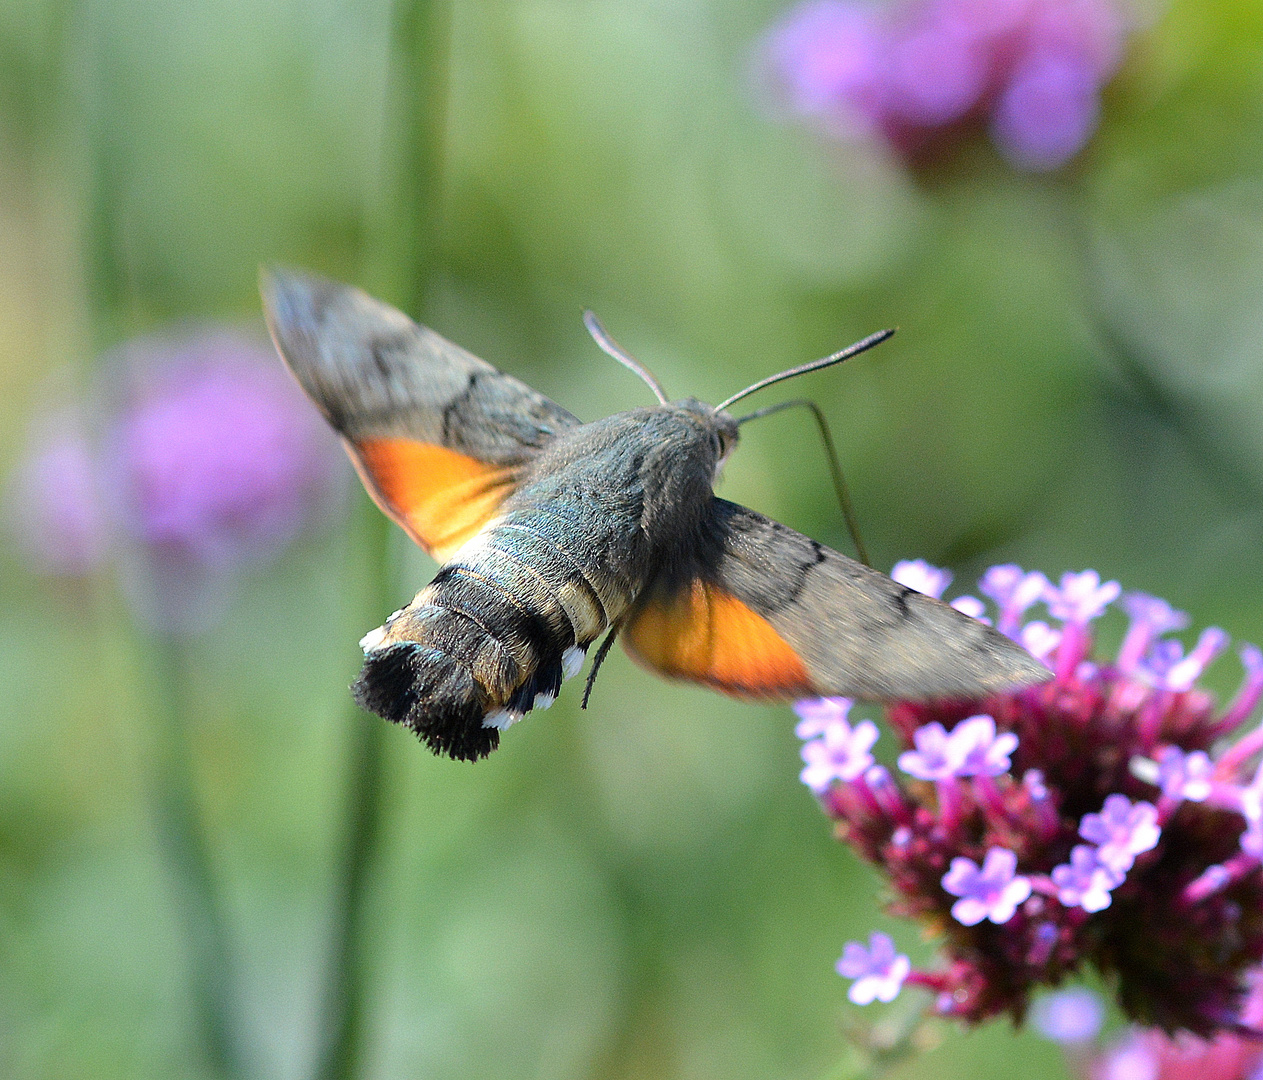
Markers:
point(1013, 590)
point(1151, 617)
point(1040, 640)
point(878, 971)
point(1121, 831)
point(920, 575)
point(990, 892)
point(1185, 776)
point(1156, 615)
point(1252, 660)
point(981, 751)
point(817, 715)
point(973, 607)
point(1081, 597)
point(1250, 803)
point(1252, 839)
point(1210, 643)
point(841, 753)
point(1251, 687)
point(936, 756)
point(1085, 881)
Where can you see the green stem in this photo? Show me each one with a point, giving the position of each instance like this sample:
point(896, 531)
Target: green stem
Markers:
point(408, 249)
point(104, 269)
point(184, 844)
point(346, 987)
point(408, 237)
point(175, 805)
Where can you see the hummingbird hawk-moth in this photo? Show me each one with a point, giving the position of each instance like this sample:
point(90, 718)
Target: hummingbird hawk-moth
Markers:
point(552, 532)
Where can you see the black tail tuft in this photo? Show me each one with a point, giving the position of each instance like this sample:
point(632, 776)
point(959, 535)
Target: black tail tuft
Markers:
point(424, 690)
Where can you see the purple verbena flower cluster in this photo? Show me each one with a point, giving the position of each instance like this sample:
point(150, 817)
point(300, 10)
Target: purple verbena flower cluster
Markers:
point(1093, 821)
point(917, 70)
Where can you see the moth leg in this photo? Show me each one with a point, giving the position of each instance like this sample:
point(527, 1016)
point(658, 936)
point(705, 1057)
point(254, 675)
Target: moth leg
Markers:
point(597, 661)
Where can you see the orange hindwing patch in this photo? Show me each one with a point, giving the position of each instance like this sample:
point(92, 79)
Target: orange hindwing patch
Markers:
point(440, 497)
point(706, 634)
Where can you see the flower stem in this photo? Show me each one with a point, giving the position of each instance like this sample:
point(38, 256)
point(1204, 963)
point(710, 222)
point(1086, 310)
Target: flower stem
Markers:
point(877, 1050)
point(407, 234)
point(406, 256)
point(346, 985)
point(183, 842)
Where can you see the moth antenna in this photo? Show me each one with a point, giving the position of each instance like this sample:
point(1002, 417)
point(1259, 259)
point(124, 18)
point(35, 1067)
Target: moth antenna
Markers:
point(597, 661)
point(608, 345)
point(835, 468)
point(815, 365)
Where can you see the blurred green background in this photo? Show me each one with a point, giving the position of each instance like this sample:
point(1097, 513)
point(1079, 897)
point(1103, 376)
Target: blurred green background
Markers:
point(643, 889)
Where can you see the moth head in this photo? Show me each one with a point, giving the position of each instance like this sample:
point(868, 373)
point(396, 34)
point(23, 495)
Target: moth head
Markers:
point(720, 426)
point(726, 436)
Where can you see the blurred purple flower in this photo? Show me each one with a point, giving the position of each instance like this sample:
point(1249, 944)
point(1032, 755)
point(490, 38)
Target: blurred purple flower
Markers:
point(1040, 640)
point(1185, 776)
point(1080, 597)
point(55, 507)
point(973, 607)
point(1033, 69)
point(982, 751)
point(1047, 112)
point(935, 73)
point(817, 715)
point(878, 971)
point(216, 456)
point(827, 55)
point(1014, 591)
point(1166, 666)
point(1151, 617)
point(1070, 1017)
point(936, 757)
point(210, 459)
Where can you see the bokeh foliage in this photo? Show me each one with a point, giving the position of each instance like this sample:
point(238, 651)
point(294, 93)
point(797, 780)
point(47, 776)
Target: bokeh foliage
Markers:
point(643, 889)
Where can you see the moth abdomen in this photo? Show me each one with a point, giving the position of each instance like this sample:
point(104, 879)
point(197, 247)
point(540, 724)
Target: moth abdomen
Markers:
point(467, 658)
